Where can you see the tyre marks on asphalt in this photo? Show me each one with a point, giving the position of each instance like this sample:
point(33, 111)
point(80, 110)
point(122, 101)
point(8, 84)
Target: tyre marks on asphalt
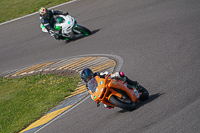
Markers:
point(95, 63)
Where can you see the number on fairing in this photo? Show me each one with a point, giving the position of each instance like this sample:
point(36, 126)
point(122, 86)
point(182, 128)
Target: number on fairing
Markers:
point(136, 93)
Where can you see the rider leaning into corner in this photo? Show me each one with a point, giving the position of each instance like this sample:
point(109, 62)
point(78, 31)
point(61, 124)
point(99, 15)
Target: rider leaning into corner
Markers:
point(48, 21)
point(87, 74)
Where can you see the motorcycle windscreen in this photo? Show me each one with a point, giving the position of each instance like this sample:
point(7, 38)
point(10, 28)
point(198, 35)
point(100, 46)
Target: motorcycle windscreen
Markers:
point(92, 85)
point(59, 20)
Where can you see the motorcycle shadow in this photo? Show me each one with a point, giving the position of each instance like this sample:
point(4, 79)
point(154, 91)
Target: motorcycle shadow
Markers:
point(82, 36)
point(95, 31)
point(140, 104)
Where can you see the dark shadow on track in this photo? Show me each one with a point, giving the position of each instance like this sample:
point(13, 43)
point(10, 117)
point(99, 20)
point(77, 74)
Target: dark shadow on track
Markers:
point(82, 36)
point(95, 31)
point(140, 104)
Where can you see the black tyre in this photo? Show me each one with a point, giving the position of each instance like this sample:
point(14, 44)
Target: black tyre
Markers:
point(127, 106)
point(145, 93)
point(83, 30)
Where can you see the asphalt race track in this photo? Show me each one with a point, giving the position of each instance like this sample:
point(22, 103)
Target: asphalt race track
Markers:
point(159, 42)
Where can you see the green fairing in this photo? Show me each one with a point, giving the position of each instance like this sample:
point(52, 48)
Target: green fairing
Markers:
point(84, 32)
point(60, 20)
point(57, 27)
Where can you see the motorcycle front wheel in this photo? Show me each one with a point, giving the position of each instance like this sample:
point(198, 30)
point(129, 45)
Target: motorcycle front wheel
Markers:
point(127, 106)
point(83, 30)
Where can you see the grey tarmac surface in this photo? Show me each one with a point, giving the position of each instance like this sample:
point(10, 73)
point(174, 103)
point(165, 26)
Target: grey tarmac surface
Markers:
point(158, 41)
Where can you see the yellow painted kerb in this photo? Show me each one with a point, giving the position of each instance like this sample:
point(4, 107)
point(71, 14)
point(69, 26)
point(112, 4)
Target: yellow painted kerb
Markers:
point(46, 118)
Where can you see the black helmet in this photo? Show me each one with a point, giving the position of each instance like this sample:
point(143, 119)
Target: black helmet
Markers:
point(86, 75)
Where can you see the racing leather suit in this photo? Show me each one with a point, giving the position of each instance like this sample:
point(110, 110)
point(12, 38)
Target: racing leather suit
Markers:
point(49, 21)
point(117, 75)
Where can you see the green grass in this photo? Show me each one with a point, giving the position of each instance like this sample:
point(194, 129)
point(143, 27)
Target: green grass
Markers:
point(11, 9)
point(24, 100)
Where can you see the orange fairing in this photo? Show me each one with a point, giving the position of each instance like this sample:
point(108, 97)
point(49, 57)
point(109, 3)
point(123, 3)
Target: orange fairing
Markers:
point(102, 89)
point(122, 86)
point(114, 93)
point(101, 92)
point(97, 93)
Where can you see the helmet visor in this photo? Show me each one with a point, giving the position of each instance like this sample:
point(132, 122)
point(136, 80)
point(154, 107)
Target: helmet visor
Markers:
point(87, 79)
point(92, 85)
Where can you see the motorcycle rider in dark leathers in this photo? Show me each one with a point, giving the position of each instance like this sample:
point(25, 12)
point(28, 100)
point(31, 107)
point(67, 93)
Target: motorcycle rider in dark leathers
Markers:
point(48, 21)
point(87, 74)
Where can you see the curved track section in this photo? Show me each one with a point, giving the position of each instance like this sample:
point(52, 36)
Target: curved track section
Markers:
point(97, 63)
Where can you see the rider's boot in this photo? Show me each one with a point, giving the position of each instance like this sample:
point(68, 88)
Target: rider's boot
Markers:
point(132, 83)
point(59, 37)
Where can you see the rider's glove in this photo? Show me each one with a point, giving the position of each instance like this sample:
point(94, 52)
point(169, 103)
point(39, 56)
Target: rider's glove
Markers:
point(65, 13)
point(98, 104)
point(105, 74)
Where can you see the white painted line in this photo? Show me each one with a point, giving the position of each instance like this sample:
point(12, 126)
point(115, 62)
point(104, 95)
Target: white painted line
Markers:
point(36, 12)
point(62, 114)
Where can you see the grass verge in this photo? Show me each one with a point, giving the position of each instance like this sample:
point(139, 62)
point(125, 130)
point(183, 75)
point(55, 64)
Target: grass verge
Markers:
point(11, 9)
point(24, 100)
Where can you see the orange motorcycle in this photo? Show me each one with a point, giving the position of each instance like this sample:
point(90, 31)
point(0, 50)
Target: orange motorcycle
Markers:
point(116, 93)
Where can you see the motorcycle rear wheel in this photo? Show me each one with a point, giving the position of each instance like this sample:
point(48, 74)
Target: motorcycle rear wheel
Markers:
point(127, 106)
point(83, 30)
point(145, 93)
